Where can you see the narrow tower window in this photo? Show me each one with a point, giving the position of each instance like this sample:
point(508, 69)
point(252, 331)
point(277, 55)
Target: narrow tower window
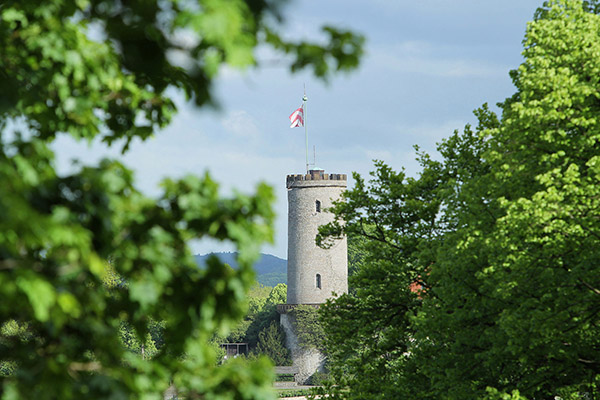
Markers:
point(318, 281)
point(318, 206)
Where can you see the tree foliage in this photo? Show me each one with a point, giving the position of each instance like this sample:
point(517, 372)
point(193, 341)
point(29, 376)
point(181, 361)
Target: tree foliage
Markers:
point(256, 299)
point(100, 69)
point(265, 315)
point(490, 287)
point(368, 331)
point(271, 343)
point(260, 326)
point(146, 347)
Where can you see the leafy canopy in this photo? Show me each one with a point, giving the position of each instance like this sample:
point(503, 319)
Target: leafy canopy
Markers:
point(480, 278)
point(100, 69)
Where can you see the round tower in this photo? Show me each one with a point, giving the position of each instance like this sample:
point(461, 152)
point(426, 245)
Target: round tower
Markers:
point(313, 273)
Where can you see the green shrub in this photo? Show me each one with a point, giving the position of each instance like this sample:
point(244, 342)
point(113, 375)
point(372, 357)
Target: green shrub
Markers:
point(318, 378)
point(271, 343)
point(284, 378)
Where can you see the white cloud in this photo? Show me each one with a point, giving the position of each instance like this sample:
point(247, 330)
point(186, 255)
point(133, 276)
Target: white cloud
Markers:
point(414, 57)
point(241, 124)
point(431, 132)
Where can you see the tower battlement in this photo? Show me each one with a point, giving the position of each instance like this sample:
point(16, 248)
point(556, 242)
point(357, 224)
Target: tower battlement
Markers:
point(318, 177)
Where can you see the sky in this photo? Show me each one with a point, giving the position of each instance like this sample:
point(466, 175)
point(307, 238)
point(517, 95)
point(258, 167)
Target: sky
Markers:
point(427, 65)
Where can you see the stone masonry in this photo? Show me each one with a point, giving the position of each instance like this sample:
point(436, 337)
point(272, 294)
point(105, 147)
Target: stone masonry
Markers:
point(314, 273)
point(308, 361)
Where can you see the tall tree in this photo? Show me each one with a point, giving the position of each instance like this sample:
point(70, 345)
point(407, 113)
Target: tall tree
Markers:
point(401, 222)
point(529, 281)
point(101, 69)
point(265, 315)
point(510, 296)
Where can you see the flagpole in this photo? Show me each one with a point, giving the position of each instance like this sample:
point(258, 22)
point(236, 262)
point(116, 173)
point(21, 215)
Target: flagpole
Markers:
point(304, 98)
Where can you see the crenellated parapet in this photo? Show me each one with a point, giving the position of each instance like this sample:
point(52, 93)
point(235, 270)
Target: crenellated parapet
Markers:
point(316, 178)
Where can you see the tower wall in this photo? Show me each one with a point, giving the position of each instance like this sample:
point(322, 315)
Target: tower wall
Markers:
point(308, 265)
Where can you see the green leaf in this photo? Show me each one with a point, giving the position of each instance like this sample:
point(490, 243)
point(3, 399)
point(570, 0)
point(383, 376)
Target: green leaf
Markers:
point(40, 293)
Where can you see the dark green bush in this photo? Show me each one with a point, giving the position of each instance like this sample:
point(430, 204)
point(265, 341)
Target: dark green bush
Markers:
point(271, 343)
point(318, 378)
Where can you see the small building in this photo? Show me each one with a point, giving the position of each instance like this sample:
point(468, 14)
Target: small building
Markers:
point(234, 349)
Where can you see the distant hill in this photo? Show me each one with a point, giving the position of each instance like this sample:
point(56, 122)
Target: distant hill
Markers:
point(270, 270)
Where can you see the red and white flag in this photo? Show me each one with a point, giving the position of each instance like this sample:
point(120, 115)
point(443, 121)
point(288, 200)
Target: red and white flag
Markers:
point(297, 118)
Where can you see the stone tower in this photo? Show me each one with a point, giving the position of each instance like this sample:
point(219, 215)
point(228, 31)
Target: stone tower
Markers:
point(313, 273)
